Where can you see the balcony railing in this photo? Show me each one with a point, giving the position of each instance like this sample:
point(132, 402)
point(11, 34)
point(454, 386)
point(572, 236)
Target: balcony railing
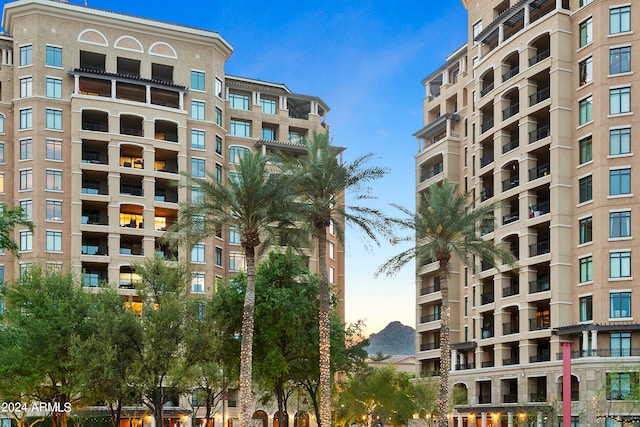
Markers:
point(539, 96)
point(95, 126)
point(465, 366)
point(538, 134)
point(539, 57)
point(603, 352)
point(486, 159)
point(488, 88)
point(487, 297)
point(512, 72)
point(130, 130)
point(488, 364)
point(514, 289)
point(510, 111)
point(509, 398)
point(430, 318)
point(539, 171)
point(539, 323)
point(510, 217)
point(510, 183)
point(130, 190)
point(509, 328)
point(486, 125)
point(540, 248)
point(429, 289)
point(429, 346)
point(484, 398)
point(541, 284)
point(511, 145)
point(541, 208)
point(486, 194)
point(543, 356)
point(509, 362)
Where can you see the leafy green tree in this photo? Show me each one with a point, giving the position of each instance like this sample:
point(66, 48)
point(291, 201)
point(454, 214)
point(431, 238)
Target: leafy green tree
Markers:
point(321, 181)
point(446, 225)
point(107, 355)
point(9, 218)
point(250, 201)
point(380, 357)
point(381, 395)
point(162, 289)
point(45, 313)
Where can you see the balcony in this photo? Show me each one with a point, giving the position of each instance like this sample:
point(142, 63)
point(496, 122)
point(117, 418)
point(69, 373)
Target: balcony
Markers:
point(486, 194)
point(509, 291)
point(488, 88)
point(539, 171)
point(538, 134)
point(539, 96)
point(509, 362)
point(465, 366)
point(541, 284)
point(511, 145)
point(512, 72)
point(486, 125)
point(540, 322)
point(131, 190)
point(603, 352)
point(486, 159)
point(430, 318)
point(487, 297)
point(509, 328)
point(430, 289)
point(541, 208)
point(429, 346)
point(510, 111)
point(488, 364)
point(539, 248)
point(541, 56)
point(510, 217)
point(510, 183)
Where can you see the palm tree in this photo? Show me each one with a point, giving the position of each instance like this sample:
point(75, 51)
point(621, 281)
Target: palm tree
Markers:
point(321, 181)
point(251, 201)
point(9, 218)
point(447, 225)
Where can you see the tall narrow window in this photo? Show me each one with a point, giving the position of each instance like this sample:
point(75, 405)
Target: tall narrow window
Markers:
point(54, 149)
point(585, 69)
point(27, 209)
point(197, 139)
point(26, 118)
point(620, 100)
point(197, 168)
point(54, 88)
point(197, 110)
point(586, 32)
point(54, 56)
point(197, 253)
point(197, 80)
point(586, 110)
point(54, 119)
point(586, 269)
point(26, 87)
point(26, 149)
point(586, 308)
point(586, 189)
point(619, 181)
point(619, 264)
point(619, 224)
point(197, 283)
point(619, 141)
point(54, 180)
point(26, 240)
point(620, 304)
point(586, 150)
point(586, 230)
point(26, 180)
point(25, 55)
point(54, 241)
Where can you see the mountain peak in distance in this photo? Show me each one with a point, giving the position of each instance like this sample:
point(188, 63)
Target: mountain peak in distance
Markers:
point(394, 339)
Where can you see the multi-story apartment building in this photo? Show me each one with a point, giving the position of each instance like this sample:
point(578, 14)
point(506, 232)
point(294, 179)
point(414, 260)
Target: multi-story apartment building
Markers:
point(101, 113)
point(539, 110)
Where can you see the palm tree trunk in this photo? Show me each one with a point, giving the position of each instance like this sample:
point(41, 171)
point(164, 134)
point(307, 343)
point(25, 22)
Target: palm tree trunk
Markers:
point(246, 343)
point(445, 346)
point(324, 327)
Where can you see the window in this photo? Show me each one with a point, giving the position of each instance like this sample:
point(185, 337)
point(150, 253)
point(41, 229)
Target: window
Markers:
point(619, 141)
point(240, 128)
point(620, 304)
point(27, 209)
point(219, 257)
point(585, 69)
point(197, 253)
point(54, 180)
point(586, 110)
point(218, 117)
point(1, 187)
point(331, 250)
point(26, 240)
point(586, 153)
point(54, 56)
point(197, 139)
point(218, 88)
point(620, 60)
point(620, 100)
point(218, 144)
point(296, 137)
point(26, 180)
point(238, 101)
point(25, 55)
point(54, 241)
point(196, 195)
point(586, 32)
point(619, 386)
point(586, 269)
point(26, 118)
point(1, 123)
point(620, 344)
point(54, 210)
point(236, 262)
point(54, 149)
point(619, 264)
point(1, 152)
point(197, 168)
point(584, 2)
point(586, 230)
point(619, 20)
point(54, 88)
point(332, 275)
point(586, 189)
point(218, 172)
point(197, 283)
point(26, 87)
point(477, 29)
point(26, 149)
point(197, 110)
point(268, 106)
point(236, 152)
point(619, 181)
point(197, 80)
point(586, 308)
point(619, 224)
point(268, 134)
point(54, 119)
point(234, 235)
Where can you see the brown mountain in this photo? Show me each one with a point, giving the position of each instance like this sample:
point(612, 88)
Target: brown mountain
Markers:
point(394, 339)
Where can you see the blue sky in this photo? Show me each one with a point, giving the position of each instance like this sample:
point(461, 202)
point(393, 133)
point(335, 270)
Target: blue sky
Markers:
point(366, 60)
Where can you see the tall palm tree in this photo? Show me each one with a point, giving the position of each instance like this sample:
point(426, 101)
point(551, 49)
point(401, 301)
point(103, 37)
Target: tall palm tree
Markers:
point(251, 201)
point(447, 225)
point(320, 182)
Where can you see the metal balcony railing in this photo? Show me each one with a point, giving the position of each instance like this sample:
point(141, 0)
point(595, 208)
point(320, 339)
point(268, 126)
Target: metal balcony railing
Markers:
point(539, 57)
point(512, 72)
point(514, 289)
point(539, 323)
point(539, 171)
point(486, 159)
point(539, 96)
point(488, 88)
point(486, 125)
point(510, 183)
point(486, 194)
point(541, 284)
point(540, 248)
point(510, 217)
point(509, 328)
point(510, 111)
point(538, 134)
point(511, 145)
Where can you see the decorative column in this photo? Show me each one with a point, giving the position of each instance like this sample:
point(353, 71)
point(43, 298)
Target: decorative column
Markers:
point(594, 343)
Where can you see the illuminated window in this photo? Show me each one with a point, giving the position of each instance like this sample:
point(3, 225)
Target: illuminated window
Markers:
point(197, 283)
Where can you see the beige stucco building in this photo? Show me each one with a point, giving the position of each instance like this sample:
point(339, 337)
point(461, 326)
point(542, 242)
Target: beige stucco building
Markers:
point(101, 112)
point(539, 109)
